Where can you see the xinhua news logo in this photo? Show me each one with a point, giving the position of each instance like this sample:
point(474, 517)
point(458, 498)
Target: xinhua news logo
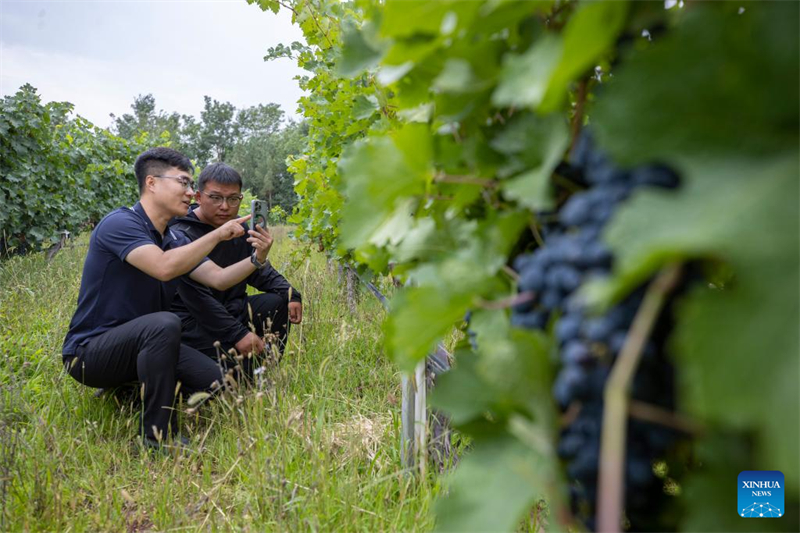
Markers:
point(761, 494)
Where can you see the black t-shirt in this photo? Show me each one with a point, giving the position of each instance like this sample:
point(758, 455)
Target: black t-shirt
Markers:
point(112, 291)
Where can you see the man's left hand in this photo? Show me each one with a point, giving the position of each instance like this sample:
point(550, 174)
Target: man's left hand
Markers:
point(261, 240)
point(295, 312)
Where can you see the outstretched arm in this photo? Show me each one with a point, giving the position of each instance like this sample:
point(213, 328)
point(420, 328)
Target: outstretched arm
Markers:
point(165, 266)
point(216, 277)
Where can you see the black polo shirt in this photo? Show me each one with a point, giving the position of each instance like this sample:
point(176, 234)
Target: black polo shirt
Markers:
point(112, 291)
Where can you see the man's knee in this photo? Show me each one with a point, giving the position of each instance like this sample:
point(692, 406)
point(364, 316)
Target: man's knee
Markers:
point(269, 310)
point(163, 327)
point(162, 340)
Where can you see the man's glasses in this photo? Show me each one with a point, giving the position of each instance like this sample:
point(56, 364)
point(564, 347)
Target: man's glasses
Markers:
point(185, 182)
point(216, 199)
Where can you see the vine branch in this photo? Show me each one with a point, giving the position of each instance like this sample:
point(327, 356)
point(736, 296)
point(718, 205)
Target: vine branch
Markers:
point(577, 118)
point(467, 180)
point(611, 486)
point(313, 17)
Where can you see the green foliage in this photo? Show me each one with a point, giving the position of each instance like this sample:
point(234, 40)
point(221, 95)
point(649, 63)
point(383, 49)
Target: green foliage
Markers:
point(59, 173)
point(254, 140)
point(435, 132)
point(260, 155)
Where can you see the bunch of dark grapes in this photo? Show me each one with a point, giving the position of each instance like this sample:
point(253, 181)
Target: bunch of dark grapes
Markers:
point(573, 252)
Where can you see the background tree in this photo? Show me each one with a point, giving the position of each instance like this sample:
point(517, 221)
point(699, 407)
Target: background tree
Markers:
point(261, 160)
point(218, 133)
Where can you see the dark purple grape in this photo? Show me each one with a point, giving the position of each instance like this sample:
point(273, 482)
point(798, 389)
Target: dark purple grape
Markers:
point(551, 299)
point(574, 252)
point(532, 279)
point(533, 320)
point(655, 175)
point(569, 380)
point(575, 353)
point(597, 329)
point(569, 278)
point(576, 211)
point(617, 341)
point(568, 327)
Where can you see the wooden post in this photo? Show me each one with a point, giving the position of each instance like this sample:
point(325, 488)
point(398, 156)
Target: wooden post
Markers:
point(407, 412)
point(414, 438)
point(352, 290)
point(421, 417)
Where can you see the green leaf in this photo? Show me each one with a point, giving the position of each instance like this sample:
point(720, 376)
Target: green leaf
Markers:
point(495, 484)
point(538, 144)
point(539, 78)
point(420, 317)
point(461, 392)
point(735, 209)
point(523, 80)
point(404, 18)
point(377, 175)
point(456, 77)
point(722, 457)
point(364, 106)
point(588, 36)
point(741, 98)
point(358, 54)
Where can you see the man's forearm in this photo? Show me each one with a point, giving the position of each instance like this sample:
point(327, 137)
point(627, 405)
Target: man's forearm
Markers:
point(222, 279)
point(182, 259)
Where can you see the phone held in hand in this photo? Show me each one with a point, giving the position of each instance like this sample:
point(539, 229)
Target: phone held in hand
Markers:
point(258, 208)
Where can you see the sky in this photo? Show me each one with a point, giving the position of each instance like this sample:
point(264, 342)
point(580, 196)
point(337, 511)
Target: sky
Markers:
point(101, 54)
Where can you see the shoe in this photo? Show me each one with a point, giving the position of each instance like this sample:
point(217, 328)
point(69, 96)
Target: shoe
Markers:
point(177, 444)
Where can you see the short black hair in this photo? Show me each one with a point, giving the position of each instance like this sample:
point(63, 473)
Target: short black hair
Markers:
point(156, 160)
point(220, 173)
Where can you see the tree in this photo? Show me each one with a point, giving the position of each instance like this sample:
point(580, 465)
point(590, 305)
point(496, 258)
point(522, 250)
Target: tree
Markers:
point(218, 134)
point(146, 119)
point(261, 160)
point(261, 119)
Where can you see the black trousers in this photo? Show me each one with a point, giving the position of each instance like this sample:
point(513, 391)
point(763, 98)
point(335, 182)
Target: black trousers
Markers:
point(147, 349)
point(270, 316)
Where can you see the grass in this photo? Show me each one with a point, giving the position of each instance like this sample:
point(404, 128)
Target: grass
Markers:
point(314, 445)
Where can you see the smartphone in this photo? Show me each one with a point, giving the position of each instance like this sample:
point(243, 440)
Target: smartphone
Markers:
point(258, 208)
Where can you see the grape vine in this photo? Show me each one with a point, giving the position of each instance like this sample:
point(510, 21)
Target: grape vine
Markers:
point(58, 172)
point(448, 138)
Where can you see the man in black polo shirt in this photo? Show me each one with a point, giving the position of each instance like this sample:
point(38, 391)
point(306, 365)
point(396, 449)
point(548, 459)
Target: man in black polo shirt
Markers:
point(120, 331)
point(210, 315)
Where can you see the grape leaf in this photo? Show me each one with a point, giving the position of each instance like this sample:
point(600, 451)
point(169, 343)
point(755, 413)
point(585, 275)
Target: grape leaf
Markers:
point(461, 392)
point(539, 78)
point(456, 77)
point(376, 176)
point(420, 317)
point(722, 458)
point(404, 18)
point(501, 474)
point(357, 53)
point(536, 144)
point(733, 101)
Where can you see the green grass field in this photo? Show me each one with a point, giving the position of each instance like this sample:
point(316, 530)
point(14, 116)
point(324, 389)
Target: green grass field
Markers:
point(313, 446)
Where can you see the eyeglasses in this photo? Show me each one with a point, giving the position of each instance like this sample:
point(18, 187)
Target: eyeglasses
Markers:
point(185, 182)
point(216, 199)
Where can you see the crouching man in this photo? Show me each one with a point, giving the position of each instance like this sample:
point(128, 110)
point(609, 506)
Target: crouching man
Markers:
point(121, 330)
point(231, 317)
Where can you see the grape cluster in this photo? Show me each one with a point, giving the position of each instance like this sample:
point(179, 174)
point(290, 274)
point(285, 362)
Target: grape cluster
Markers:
point(573, 252)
